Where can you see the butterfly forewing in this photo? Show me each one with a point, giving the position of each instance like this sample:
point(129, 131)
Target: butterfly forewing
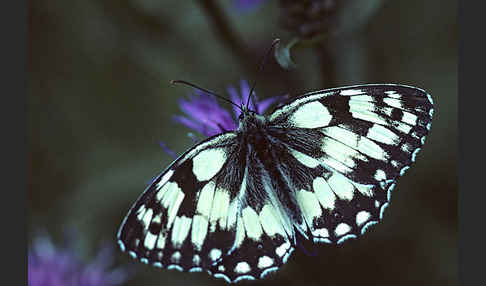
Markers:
point(323, 165)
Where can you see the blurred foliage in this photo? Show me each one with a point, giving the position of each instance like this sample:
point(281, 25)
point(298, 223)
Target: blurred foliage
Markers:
point(100, 100)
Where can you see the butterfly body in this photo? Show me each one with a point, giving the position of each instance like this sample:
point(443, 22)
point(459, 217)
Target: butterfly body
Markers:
point(321, 167)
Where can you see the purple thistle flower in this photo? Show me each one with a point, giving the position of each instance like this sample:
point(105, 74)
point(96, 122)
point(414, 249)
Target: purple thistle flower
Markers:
point(204, 114)
point(242, 98)
point(246, 5)
point(51, 266)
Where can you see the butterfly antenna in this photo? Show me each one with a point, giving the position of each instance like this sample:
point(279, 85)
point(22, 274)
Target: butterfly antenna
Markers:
point(204, 90)
point(260, 68)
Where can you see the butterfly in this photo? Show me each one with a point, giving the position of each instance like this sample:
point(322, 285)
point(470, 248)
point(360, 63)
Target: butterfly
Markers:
point(321, 167)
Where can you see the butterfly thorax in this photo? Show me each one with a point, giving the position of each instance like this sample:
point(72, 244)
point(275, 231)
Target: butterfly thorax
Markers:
point(250, 121)
point(259, 146)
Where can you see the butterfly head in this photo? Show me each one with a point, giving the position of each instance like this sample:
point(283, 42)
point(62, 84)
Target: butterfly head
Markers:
point(249, 119)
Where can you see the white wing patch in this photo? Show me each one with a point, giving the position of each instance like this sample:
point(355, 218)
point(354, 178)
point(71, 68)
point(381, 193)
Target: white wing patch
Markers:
point(199, 231)
point(342, 229)
point(362, 217)
point(309, 205)
point(409, 118)
point(171, 199)
point(351, 92)
point(265, 261)
point(382, 134)
point(144, 215)
point(150, 240)
point(242, 267)
point(182, 226)
point(310, 115)
point(205, 200)
point(324, 193)
point(215, 254)
point(365, 190)
point(304, 159)
point(341, 152)
point(393, 102)
point(341, 186)
point(380, 175)
point(208, 162)
point(359, 143)
point(270, 222)
point(331, 163)
point(252, 223)
point(219, 212)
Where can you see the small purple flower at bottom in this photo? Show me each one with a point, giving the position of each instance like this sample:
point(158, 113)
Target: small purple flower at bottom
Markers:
point(51, 266)
point(204, 114)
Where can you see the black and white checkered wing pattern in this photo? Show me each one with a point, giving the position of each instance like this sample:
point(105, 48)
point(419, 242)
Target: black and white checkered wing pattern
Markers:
point(347, 147)
point(323, 165)
point(207, 213)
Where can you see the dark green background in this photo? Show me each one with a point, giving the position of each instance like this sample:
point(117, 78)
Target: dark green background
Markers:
point(100, 101)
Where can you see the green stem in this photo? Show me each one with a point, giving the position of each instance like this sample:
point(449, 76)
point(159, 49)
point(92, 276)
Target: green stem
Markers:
point(327, 63)
point(224, 30)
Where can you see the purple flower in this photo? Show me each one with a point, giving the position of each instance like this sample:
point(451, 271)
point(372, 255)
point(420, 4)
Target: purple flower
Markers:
point(51, 266)
point(204, 114)
point(246, 5)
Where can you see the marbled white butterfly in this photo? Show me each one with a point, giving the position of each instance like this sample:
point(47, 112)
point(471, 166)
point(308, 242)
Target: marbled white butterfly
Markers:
point(321, 167)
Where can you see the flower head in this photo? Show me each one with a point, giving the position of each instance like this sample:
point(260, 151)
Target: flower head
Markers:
point(48, 265)
point(246, 5)
point(204, 114)
point(310, 18)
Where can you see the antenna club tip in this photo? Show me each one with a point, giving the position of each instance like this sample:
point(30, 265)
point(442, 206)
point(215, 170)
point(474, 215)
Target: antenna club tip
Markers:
point(172, 81)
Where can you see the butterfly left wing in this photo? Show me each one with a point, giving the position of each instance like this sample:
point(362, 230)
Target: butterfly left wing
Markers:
point(207, 212)
point(345, 149)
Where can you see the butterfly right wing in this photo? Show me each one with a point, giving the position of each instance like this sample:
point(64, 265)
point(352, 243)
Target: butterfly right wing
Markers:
point(343, 150)
point(207, 212)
